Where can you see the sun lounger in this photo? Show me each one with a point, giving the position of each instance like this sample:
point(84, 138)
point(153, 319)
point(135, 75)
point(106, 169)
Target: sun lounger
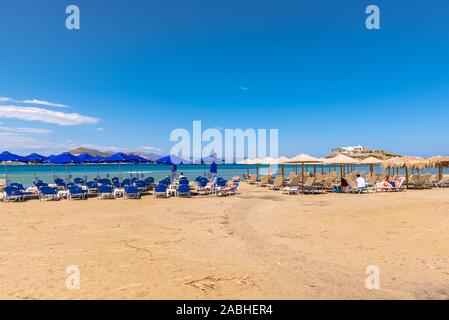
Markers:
point(141, 185)
point(419, 181)
point(22, 190)
point(310, 186)
point(293, 186)
point(161, 190)
point(11, 193)
point(252, 179)
point(278, 183)
point(184, 190)
point(353, 188)
point(399, 186)
point(227, 190)
point(79, 181)
point(92, 187)
point(47, 193)
point(131, 192)
point(105, 192)
point(75, 192)
point(60, 183)
point(444, 182)
point(126, 182)
point(106, 182)
point(264, 181)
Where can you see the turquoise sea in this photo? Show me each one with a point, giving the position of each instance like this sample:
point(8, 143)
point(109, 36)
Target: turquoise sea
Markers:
point(25, 174)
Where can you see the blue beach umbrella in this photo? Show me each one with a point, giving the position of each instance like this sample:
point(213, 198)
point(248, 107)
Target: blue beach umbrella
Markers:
point(86, 158)
point(139, 160)
point(65, 159)
point(6, 157)
point(213, 168)
point(120, 158)
point(173, 161)
point(35, 158)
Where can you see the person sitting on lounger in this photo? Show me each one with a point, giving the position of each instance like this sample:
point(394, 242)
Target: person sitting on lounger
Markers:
point(390, 181)
point(182, 175)
point(210, 185)
point(361, 182)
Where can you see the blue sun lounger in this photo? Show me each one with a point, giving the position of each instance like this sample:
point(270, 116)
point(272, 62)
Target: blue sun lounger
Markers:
point(161, 190)
point(92, 187)
point(184, 191)
point(11, 193)
point(60, 183)
point(105, 192)
point(22, 189)
point(75, 192)
point(47, 193)
point(106, 182)
point(140, 185)
point(79, 181)
point(131, 192)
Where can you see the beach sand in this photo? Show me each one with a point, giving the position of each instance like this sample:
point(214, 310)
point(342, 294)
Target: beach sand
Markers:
point(260, 244)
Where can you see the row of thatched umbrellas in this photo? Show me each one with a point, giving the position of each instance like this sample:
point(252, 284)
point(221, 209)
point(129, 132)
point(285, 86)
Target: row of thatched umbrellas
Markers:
point(406, 162)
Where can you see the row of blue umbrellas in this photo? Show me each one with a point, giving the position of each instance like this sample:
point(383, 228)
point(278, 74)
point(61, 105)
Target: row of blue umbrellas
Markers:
point(67, 158)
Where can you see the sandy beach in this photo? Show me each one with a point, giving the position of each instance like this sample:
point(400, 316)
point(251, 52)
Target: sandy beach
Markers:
point(260, 244)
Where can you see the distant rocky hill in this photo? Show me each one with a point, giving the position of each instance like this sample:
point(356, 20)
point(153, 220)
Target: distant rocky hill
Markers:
point(93, 152)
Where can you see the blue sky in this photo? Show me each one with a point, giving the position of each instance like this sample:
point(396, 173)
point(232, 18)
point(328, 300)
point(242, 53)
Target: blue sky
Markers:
point(139, 69)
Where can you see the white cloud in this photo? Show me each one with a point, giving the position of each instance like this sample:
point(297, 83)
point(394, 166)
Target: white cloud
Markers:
point(44, 115)
point(36, 131)
point(34, 101)
point(99, 129)
point(44, 103)
point(5, 99)
point(244, 88)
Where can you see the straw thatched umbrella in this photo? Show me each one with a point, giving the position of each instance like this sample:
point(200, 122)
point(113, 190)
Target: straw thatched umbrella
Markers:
point(341, 160)
point(268, 161)
point(282, 161)
point(407, 162)
point(371, 161)
point(303, 159)
point(440, 162)
point(256, 162)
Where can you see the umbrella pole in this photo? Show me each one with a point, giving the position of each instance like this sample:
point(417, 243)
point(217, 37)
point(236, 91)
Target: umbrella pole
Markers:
point(302, 174)
point(406, 176)
point(257, 172)
point(440, 172)
point(283, 170)
point(322, 169)
point(296, 169)
point(371, 169)
point(314, 169)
